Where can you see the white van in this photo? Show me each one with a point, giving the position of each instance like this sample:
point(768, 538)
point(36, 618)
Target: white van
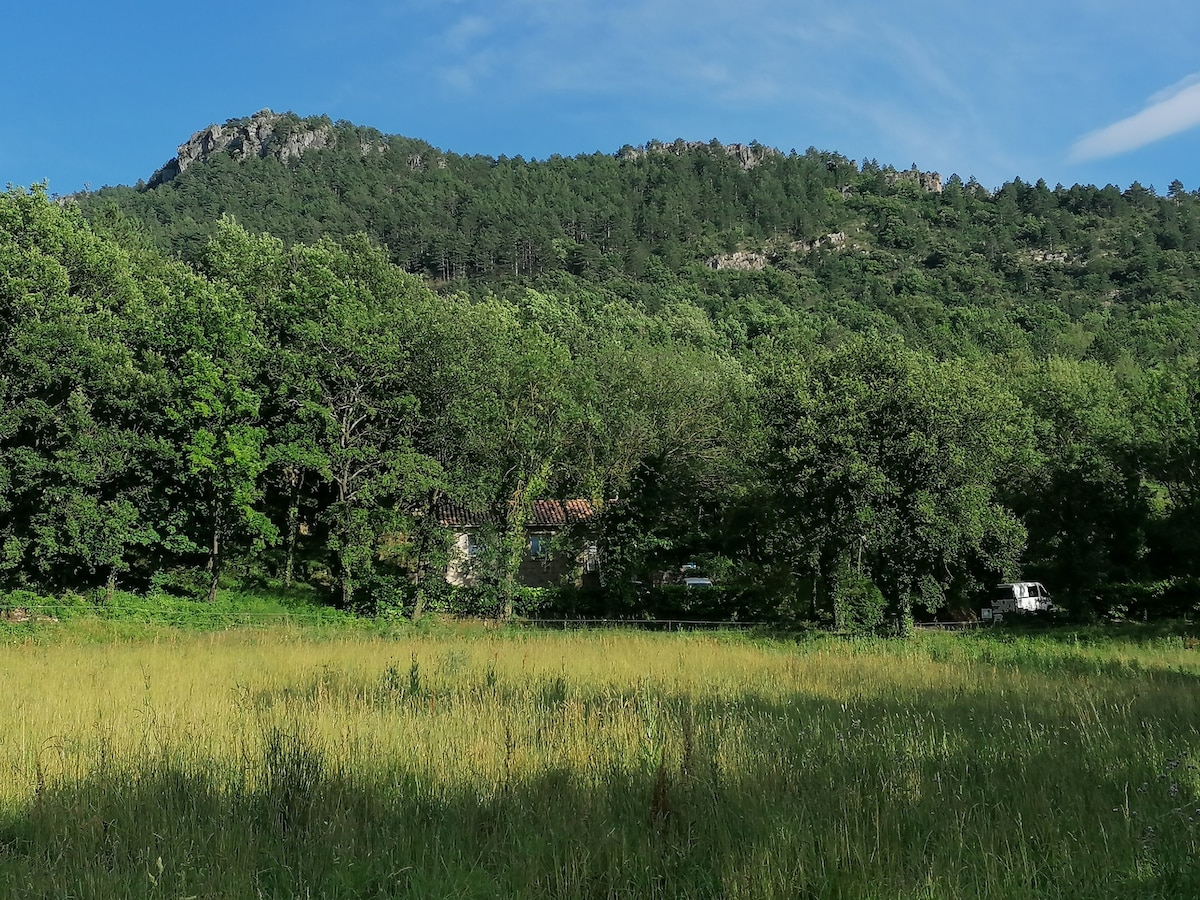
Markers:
point(1019, 596)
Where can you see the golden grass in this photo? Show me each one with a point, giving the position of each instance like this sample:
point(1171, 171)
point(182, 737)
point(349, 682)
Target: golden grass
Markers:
point(610, 764)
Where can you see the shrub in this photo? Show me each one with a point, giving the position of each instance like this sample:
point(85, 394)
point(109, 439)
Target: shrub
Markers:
point(188, 583)
point(1142, 600)
point(858, 605)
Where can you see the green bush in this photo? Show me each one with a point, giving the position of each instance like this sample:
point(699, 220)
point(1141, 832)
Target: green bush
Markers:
point(858, 604)
point(21, 600)
point(1167, 599)
point(192, 584)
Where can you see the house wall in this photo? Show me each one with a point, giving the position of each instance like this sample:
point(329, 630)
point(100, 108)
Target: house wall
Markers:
point(458, 569)
point(547, 570)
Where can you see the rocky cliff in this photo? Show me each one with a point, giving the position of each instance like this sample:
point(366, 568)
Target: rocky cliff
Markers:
point(926, 181)
point(747, 155)
point(263, 134)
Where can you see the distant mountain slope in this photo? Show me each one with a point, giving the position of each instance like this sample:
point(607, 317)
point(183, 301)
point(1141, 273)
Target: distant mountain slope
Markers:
point(1080, 270)
point(451, 215)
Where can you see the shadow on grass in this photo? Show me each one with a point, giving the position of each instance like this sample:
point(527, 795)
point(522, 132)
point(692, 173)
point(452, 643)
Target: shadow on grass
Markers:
point(828, 803)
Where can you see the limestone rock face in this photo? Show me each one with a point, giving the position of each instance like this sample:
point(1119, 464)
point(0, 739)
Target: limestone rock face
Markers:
point(833, 240)
point(1049, 256)
point(256, 137)
point(747, 155)
point(743, 260)
point(298, 142)
point(926, 181)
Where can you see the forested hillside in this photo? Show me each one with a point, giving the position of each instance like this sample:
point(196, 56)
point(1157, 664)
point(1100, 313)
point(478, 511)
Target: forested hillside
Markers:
point(842, 388)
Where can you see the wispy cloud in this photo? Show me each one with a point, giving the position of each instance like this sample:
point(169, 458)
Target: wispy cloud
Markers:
point(1168, 112)
point(462, 42)
point(951, 87)
point(466, 30)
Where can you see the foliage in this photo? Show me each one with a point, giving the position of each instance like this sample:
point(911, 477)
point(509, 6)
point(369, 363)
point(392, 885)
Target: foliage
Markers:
point(859, 606)
point(931, 389)
point(891, 464)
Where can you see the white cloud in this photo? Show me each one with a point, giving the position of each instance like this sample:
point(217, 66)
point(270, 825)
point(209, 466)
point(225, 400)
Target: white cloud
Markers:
point(466, 30)
point(1168, 112)
point(1168, 93)
point(460, 78)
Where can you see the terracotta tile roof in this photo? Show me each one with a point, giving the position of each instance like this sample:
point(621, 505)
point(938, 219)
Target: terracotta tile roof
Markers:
point(450, 513)
point(544, 514)
point(560, 512)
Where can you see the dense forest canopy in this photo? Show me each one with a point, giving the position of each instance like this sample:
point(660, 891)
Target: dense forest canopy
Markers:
point(846, 389)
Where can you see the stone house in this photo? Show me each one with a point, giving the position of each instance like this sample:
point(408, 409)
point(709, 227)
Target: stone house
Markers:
point(560, 542)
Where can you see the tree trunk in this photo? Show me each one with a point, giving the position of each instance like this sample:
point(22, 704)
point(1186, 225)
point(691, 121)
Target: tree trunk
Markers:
point(512, 544)
point(111, 587)
point(427, 539)
point(214, 568)
point(418, 573)
point(904, 618)
point(347, 586)
point(289, 563)
point(508, 596)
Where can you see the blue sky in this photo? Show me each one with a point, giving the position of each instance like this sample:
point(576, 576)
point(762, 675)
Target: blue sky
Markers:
point(1088, 91)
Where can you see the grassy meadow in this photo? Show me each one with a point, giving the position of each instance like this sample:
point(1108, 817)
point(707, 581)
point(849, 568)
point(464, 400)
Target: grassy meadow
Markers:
point(464, 761)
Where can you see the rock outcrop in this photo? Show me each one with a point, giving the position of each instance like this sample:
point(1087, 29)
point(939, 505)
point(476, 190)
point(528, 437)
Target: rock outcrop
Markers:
point(257, 137)
point(747, 155)
point(1049, 256)
point(833, 240)
point(742, 260)
point(926, 181)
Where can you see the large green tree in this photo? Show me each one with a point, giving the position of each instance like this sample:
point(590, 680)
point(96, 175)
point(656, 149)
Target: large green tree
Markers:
point(351, 326)
point(76, 455)
point(888, 464)
point(1087, 507)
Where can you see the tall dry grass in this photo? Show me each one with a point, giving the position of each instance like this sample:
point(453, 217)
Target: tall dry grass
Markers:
point(473, 763)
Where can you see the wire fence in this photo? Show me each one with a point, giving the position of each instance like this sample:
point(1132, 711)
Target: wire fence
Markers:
point(202, 617)
point(713, 625)
point(34, 614)
point(648, 624)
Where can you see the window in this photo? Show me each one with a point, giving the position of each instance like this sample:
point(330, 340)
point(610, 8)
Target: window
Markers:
point(539, 545)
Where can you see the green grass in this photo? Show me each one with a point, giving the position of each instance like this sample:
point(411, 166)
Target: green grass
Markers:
point(471, 761)
point(133, 616)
